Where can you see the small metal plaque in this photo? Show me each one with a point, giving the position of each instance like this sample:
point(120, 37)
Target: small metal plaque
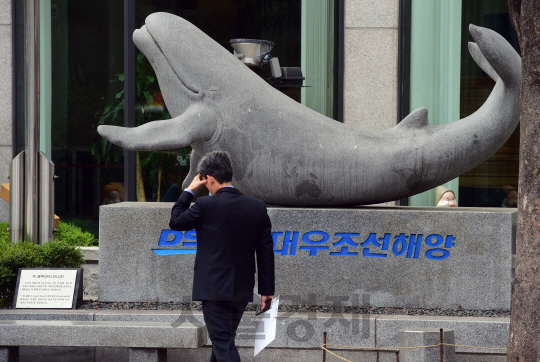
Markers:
point(40, 288)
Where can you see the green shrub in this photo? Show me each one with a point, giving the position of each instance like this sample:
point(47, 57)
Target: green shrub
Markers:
point(4, 233)
point(55, 254)
point(73, 235)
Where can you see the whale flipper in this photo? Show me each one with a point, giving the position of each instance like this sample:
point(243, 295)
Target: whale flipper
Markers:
point(482, 62)
point(196, 124)
point(416, 119)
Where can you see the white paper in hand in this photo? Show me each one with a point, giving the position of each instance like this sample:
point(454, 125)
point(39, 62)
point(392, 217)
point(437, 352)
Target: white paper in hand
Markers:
point(266, 329)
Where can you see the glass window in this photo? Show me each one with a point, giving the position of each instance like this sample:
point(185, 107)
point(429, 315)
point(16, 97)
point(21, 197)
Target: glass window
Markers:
point(445, 79)
point(82, 76)
point(81, 51)
point(494, 182)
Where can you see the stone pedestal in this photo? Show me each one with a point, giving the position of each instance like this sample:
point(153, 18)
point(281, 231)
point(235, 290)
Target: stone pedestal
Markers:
point(147, 355)
point(419, 257)
point(415, 337)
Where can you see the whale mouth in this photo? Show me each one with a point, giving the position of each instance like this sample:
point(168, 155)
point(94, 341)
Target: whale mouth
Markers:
point(146, 32)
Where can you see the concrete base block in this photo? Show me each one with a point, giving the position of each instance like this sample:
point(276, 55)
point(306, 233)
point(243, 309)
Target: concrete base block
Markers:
point(270, 354)
point(57, 354)
point(91, 272)
point(147, 355)
point(478, 357)
point(415, 337)
point(395, 256)
point(9, 354)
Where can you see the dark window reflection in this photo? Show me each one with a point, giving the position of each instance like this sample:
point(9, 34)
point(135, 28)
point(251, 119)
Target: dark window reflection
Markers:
point(87, 89)
point(494, 182)
point(87, 51)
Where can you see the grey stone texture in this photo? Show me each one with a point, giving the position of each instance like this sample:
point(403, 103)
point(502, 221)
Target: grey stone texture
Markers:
point(467, 357)
point(419, 337)
point(91, 272)
point(9, 354)
point(287, 154)
point(294, 330)
point(371, 64)
point(90, 253)
point(90, 280)
point(101, 334)
point(46, 315)
point(58, 354)
point(5, 12)
point(476, 275)
point(351, 330)
point(4, 211)
point(147, 355)
point(6, 89)
point(371, 14)
point(270, 354)
point(370, 90)
point(5, 160)
point(6, 94)
point(371, 33)
point(6, 74)
point(469, 331)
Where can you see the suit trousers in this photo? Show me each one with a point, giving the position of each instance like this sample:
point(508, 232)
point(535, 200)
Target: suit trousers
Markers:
point(222, 319)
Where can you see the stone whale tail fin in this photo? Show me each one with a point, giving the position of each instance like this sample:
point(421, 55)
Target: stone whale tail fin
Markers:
point(495, 56)
point(482, 62)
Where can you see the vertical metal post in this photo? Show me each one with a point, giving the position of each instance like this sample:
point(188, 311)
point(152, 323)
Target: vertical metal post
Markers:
point(31, 107)
point(46, 199)
point(16, 198)
point(397, 356)
point(130, 84)
point(340, 53)
point(324, 345)
point(441, 347)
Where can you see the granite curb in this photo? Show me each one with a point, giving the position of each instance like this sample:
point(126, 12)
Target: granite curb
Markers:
point(305, 330)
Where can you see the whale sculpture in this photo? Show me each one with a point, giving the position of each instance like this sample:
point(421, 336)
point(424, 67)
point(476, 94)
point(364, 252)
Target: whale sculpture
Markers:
point(287, 154)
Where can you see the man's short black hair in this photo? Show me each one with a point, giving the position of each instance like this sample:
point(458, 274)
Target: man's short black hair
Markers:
point(216, 164)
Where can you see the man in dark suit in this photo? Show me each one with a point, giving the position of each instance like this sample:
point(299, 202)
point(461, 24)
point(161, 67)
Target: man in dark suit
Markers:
point(232, 231)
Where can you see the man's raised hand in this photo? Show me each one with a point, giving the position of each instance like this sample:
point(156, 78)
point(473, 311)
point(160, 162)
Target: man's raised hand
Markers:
point(197, 182)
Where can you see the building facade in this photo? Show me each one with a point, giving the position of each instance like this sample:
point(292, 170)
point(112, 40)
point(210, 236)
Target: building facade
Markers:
point(368, 63)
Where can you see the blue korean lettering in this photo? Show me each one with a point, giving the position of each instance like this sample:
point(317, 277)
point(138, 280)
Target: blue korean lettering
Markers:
point(345, 240)
point(400, 245)
point(449, 242)
point(177, 237)
point(315, 245)
point(445, 254)
point(275, 236)
point(438, 240)
point(435, 240)
point(372, 239)
point(289, 242)
point(415, 243)
point(190, 235)
point(386, 241)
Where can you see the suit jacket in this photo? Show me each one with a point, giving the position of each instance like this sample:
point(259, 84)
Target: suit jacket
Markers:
point(232, 231)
